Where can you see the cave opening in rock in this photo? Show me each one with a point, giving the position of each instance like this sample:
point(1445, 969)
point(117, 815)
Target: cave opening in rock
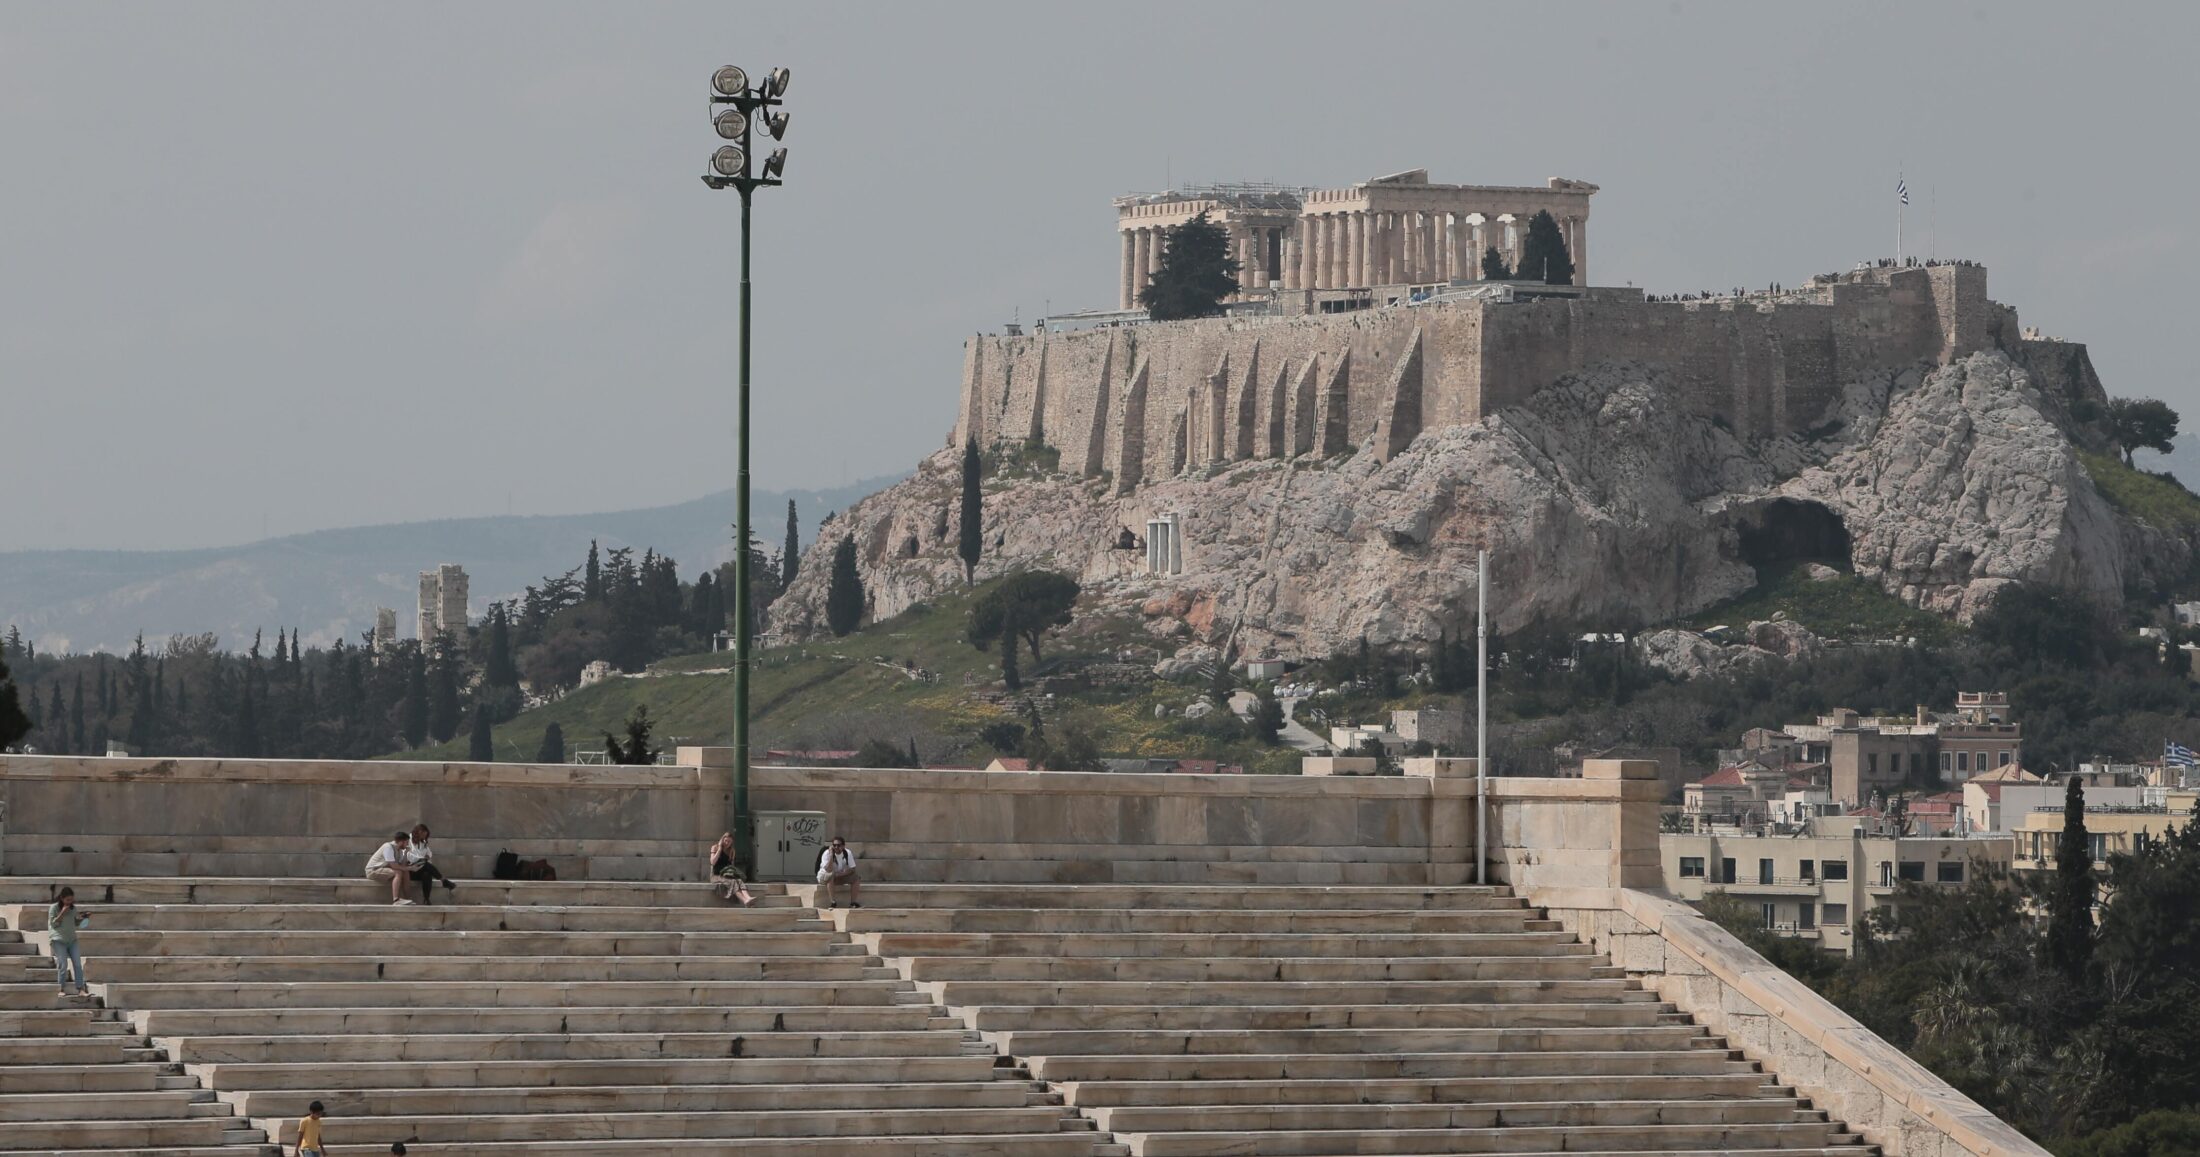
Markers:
point(1788, 531)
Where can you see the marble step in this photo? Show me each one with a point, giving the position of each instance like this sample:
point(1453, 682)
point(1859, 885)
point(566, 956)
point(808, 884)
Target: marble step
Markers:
point(1176, 944)
point(380, 1103)
point(440, 917)
point(1184, 921)
point(47, 1136)
point(540, 1127)
point(25, 890)
point(94, 1106)
point(227, 1078)
point(332, 1050)
point(64, 1050)
point(454, 1021)
point(1499, 1116)
point(126, 970)
point(1049, 1143)
point(78, 1021)
point(1354, 898)
point(1393, 1066)
point(1364, 1041)
point(461, 943)
point(1658, 1139)
point(81, 1078)
point(1350, 969)
point(1441, 1091)
point(1112, 992)
point(993, 1018)
point(511, 994)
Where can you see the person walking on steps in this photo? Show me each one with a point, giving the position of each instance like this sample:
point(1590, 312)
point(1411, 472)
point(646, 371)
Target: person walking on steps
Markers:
point(725, 873)
point(836, 865)
point(421, 858)
point(63, 918)
point(309, 1132)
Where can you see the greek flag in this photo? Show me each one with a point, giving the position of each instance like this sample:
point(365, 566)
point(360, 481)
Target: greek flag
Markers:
point(2175, 754)
point(1902, 190)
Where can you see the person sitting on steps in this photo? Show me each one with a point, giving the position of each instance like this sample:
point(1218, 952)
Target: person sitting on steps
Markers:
point(836, 865)
point(388, 863)
point(725, 873)
point(421, 858)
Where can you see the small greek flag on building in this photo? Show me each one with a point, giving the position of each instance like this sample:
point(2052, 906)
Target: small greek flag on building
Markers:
point(2175, 754)
point(1902, 190)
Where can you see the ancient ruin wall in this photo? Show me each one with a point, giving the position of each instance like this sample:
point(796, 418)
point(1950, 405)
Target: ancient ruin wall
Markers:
point(1151, 401)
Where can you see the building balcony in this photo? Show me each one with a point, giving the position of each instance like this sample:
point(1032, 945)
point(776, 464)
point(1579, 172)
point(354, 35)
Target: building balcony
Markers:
point(1777, 886)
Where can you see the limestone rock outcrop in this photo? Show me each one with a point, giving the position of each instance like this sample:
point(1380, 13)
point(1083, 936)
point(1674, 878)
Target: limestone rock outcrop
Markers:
point(1603, 499)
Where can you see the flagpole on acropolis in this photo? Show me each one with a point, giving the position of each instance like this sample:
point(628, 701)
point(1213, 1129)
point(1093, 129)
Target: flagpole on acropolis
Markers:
point(1901, 201)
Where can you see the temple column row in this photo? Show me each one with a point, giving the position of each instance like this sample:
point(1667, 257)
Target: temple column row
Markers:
point(1142, 249)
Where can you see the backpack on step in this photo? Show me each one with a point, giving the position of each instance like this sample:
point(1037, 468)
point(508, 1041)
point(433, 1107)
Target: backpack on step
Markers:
point(507, 866)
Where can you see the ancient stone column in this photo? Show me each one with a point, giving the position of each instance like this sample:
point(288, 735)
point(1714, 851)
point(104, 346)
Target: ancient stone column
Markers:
point(1333, 240)
point(1577, 247)
point(1359, 249)
point(1302, 239)
point(1130, 254)
point(1462, 249)
point(1141, 265)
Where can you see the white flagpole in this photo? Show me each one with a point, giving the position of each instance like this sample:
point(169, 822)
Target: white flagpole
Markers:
point(1900, 202)
point(1481, 716)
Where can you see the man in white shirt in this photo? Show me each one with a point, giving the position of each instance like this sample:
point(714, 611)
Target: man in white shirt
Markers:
point(836, 865)
point(388, 863)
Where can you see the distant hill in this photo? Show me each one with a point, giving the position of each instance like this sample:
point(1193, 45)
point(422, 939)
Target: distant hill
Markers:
point(2183, 460)
point(327, 583)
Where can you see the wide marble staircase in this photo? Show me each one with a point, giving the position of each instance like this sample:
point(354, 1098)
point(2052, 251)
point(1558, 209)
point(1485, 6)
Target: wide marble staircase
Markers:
point(566, 1018)
point(983, 1020)
point(1330, 1021)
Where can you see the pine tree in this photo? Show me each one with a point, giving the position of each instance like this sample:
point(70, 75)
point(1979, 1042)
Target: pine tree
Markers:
point(972, 544)
point(247, 745)
point(592, 587)
point(1493, 265)
point(636, 749)
point(2069, 943)
point(77, 738)
point(844, 589)
point(1195, 274)
point(790, 555)
point(57, 721)
point(481, 749)
point(99, 680)
point(1543, 255)
point(553, 745)
point(1267, 717)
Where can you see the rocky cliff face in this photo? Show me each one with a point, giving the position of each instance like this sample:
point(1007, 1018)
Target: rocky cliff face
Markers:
point(1599, 498)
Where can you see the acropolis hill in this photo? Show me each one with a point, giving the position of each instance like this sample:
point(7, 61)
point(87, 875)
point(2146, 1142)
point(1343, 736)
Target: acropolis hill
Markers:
point(1321, 462)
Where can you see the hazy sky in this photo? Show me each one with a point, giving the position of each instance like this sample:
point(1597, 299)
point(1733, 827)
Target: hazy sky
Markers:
point(292, 266)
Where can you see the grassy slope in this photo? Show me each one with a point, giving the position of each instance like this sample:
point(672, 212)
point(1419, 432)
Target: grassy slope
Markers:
point(1846, 607)
point(2153, 498)
point(832, 694)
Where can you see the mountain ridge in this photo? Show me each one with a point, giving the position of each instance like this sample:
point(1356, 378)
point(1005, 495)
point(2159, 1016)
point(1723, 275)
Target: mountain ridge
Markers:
point(327, 583)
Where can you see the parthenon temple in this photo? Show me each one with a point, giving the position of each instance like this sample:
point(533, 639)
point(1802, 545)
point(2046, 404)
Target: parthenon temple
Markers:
point(1394, 230)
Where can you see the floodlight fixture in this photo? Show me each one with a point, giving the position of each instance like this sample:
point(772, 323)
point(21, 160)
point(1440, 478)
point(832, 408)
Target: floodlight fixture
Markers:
point(729, 160)
point(777, 83)
point(729, 81)
point(732, 124)
point(775, 164)
point(776, 124)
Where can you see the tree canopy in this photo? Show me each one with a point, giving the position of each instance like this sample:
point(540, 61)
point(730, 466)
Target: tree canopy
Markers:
point(1025, 606)
point(1195, 274)
point(14, 724)
point(1493, 265)
point(636, 749)
point(2141, 424)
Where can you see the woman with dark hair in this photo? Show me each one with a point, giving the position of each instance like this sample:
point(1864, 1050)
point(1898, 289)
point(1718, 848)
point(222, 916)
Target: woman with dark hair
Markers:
point(424, 871)
point(725, 873)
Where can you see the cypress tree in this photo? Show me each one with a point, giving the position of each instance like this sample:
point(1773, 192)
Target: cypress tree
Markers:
point(553, 745)
point(415, 723)
point(443, 709)
point(498, 670)
point(592, 586)
point(844, 589)
point(76, 717)
point(14, 724)
point(481, 749)
point(972, 545)
point(248, 725)
point(99, 680)
point(1493, 265)
point(790, 555)
point(2069, 943)
point(57, 721)
point(1543, 255)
